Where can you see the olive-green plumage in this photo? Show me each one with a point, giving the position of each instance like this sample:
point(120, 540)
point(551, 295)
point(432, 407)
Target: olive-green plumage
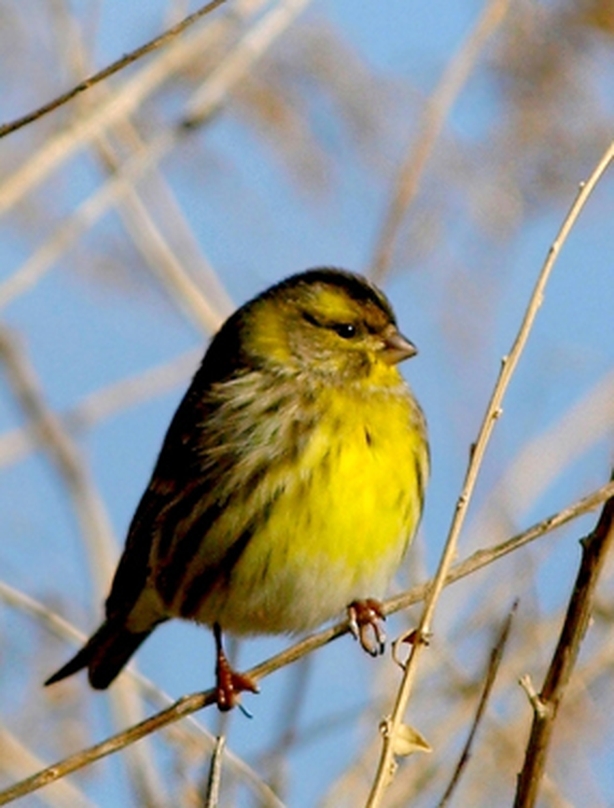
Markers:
point(291, 479)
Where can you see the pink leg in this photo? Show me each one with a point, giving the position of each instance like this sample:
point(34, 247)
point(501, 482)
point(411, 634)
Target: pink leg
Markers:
point(229, 684)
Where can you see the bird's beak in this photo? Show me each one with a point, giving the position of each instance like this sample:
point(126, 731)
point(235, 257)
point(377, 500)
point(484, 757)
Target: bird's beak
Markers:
point(396, 347)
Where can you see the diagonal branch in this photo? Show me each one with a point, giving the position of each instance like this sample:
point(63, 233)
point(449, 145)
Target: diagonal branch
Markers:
point(115, 67)
point(546, 704)
point(413, 165)
point(494, 662)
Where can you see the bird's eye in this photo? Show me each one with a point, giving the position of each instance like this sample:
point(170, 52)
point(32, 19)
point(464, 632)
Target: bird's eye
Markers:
point(345, 330)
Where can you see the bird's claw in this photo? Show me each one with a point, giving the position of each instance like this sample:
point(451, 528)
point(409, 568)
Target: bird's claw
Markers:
point(228, 683)
point(364, 619)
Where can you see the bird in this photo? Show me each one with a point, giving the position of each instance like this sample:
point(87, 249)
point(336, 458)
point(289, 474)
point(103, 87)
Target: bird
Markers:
point(289, 484)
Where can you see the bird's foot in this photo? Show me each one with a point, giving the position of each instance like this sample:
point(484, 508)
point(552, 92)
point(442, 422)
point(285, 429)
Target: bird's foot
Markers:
point(365, 617)
point(228, 683)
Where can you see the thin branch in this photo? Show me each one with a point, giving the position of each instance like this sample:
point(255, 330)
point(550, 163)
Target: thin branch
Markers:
point(482, 558)
point(17, 759)
point(148, 230)
point(255, 43)
point(227, 74)
point(185, 706)
point(541, 461)
point(212, 799)
point(167, 268)
point(190, 704)
point(412, 168)
point(493, 412)
point(124, 100)
point(475, 562)
point(192, 730)
point(115, 67)
point(491, 674)
point(64, 455)
point(117, 397)
point(595, 549)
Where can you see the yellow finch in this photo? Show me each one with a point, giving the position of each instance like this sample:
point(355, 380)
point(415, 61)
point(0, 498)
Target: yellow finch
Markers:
point(289, 484)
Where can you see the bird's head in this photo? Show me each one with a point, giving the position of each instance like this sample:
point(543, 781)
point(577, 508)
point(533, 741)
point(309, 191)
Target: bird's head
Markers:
point(326, 322)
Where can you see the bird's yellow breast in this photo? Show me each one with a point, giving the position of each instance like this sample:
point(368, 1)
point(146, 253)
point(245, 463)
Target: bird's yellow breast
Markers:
point(342, 517)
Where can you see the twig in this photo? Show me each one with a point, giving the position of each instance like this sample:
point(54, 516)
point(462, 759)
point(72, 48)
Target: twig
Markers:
point(64, 455)
point(493, 667)
point(215, 775)
point(412, 168)
point(475, 562)
point(125, 100)
point(17, 759)
point(256, 42)
point(545, 706)
point(63, 628)
point(148, 234)
point(493, 412)
point(226, 75)
point(184, 706)
point(541, 460)
point(115, 67)
point(190, 704)
point(482, 558)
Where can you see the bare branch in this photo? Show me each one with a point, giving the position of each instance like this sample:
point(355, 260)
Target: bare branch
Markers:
point(115, 67)
point(595, 549)
point(482, 558)
point(215, 775)
point(440, 103)
point(91, 514)
point(17, 759)
point(227, 74)
point(124, 100)
point(496, 656)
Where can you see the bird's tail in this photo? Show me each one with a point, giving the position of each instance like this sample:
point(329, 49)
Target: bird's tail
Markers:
point(104, 654)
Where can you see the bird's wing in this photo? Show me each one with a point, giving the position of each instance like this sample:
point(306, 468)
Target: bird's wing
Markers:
point(173, 475)
point(207, 464)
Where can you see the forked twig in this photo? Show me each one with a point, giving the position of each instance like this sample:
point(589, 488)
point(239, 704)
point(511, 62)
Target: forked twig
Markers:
point(546, 703)
point(385, 767)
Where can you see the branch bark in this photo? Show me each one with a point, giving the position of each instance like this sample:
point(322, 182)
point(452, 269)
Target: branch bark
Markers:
point(595, 549)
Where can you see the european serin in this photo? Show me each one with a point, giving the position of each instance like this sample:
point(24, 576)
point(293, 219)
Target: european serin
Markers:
point(289, 485)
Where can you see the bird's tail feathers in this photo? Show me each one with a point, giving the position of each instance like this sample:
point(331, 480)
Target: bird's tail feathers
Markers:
point(104, 654)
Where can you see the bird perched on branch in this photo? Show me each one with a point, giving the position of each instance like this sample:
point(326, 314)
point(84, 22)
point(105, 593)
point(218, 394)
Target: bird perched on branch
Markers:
point(289, 484)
